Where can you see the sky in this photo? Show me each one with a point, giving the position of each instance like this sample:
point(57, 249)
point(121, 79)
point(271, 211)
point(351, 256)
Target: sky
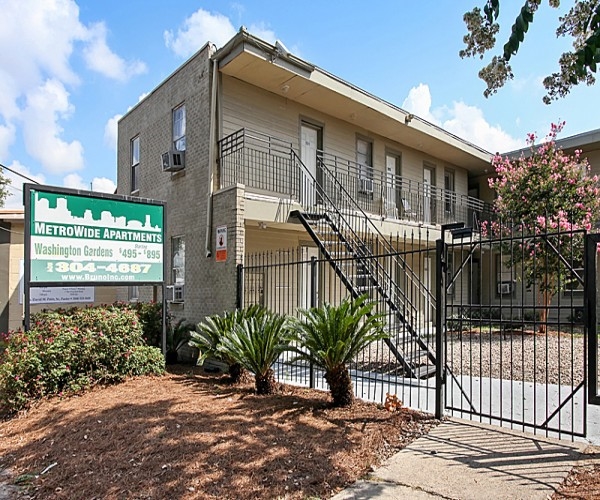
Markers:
point(70, 69)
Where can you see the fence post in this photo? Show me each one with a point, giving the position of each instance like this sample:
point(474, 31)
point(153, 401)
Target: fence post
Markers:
point(313, 303)
point(240, 287)
point(440, 313)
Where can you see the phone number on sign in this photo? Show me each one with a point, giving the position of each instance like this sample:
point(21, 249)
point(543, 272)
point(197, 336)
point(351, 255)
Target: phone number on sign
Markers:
point(91, 267)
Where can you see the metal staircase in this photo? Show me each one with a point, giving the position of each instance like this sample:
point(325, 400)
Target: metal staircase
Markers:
point(346, 237)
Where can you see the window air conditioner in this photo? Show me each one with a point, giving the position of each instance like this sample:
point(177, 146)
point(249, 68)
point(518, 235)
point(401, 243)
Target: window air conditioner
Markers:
point(175, 293)
point(365, 185)
point(173, 161)
point(505, 288)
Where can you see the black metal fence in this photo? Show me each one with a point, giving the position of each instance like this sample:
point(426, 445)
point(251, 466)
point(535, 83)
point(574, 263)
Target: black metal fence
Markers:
point(288, 280)
point(508, 351)
point(514, 323)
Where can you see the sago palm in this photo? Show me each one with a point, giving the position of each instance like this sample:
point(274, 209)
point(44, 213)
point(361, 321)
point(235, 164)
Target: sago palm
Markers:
point(331, 336)
point(256, 343)
point(211, 331)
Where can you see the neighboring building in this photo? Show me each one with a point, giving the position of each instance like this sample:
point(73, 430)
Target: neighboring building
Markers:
point(504, 286)
point(248, 137)
point(12, 252)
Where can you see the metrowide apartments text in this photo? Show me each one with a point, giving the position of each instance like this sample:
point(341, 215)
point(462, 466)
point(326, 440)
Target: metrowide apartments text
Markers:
point(96, 233)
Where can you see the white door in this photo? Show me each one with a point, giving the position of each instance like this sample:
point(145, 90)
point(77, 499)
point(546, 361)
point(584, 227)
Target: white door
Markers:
point(305, 278)
point(309, 138)
point(427, 183)
point(390, 191)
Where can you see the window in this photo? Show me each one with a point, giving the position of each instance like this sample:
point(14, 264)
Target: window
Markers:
point(135, 162)
point(572, 281)
point(364, 158)
point(179, 128)
point(133, 293)
point(506, 284)
point(178, 260)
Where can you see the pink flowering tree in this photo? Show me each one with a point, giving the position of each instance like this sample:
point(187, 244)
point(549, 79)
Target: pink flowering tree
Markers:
point(545, 202)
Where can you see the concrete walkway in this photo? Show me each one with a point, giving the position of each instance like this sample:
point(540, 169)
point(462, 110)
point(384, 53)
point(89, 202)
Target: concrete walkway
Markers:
point(461, 460)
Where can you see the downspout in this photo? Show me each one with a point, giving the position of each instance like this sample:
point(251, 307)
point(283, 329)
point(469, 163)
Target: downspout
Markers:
point(211, 154)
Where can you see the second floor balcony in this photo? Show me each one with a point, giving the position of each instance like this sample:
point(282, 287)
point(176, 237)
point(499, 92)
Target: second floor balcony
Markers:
point(269, 165)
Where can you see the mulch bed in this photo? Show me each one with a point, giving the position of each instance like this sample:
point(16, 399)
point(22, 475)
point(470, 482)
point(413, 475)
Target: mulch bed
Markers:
point(190, 435)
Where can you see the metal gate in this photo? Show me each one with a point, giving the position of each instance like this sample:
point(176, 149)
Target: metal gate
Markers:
point(514, 312)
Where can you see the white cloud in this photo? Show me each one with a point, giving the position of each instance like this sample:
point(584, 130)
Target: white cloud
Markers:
point(262, 32)
point(15, 188)
point(100, 58)
point(99, 184)
point(7, 137)
point(110, 132)
point(103, 185)
point(201, 27)
point(38, 41)
point(75, 181)
point(418, 102)
point(41, 131)
point(467, 122)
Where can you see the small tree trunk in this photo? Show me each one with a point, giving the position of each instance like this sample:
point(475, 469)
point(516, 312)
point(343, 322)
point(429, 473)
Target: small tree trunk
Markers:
point(340, 385)
point(238, 374)
point(544, 299)
point(265, 384)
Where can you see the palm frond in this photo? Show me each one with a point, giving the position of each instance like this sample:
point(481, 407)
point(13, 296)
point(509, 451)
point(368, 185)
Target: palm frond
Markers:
point(256, 342)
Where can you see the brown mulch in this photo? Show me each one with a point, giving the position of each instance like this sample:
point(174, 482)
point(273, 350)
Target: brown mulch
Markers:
point(190, 435)
point(583, 482)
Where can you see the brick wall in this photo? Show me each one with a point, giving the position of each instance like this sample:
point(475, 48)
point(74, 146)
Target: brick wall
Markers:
point(209, 285)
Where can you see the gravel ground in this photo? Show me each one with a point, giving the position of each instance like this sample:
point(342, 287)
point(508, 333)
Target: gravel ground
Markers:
point(551, 358)
point(539, 358)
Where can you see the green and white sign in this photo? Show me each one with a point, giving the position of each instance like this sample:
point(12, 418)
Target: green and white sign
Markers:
point(82, 238)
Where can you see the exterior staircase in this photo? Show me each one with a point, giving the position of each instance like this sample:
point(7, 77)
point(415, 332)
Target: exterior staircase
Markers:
point(344, 234)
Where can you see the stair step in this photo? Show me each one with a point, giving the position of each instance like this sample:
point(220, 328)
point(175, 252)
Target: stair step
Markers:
point(424, 371)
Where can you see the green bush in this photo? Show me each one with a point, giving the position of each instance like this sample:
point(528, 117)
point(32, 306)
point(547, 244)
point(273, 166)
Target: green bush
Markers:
point(150, 317)
point(71, 350)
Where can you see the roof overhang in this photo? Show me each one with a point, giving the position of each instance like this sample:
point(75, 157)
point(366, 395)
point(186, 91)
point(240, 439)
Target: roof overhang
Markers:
point(268, 67)
point(586, 142)
point(8, 215)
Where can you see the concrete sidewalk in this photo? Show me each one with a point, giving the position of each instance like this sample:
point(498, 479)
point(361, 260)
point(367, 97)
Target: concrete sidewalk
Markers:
point(462, 460)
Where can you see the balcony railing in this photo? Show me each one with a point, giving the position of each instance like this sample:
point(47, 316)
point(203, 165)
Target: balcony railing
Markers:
point(267, 164)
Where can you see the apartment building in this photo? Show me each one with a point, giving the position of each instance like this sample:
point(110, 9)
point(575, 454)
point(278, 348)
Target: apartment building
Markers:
point(255, 149)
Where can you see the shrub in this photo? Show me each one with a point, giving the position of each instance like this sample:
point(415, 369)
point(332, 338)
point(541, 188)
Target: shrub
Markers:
point(209, 334)
point(331, 336)
point(150, 317)
point(256, 343)
point(71, 350)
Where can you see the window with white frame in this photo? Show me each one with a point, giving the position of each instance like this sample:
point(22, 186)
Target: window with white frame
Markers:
point(364, 158)
point(179, 128)
point(178, 260)
point(449, 193)
point(135, 163)
point(133, 293)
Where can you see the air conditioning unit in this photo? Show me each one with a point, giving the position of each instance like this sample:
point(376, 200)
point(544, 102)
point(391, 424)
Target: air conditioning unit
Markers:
point(173, 161)
point(365, 185)
point(505, 288)
point(176, 293)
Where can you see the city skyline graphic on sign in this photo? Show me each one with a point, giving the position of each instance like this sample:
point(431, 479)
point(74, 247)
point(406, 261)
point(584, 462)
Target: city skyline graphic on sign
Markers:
point(62, 215)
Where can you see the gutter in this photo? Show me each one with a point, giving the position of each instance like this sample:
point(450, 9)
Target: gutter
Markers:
point(211, 154)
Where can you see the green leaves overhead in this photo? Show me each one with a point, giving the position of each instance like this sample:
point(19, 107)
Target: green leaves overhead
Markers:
point(519, 29)
point(582, 23)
